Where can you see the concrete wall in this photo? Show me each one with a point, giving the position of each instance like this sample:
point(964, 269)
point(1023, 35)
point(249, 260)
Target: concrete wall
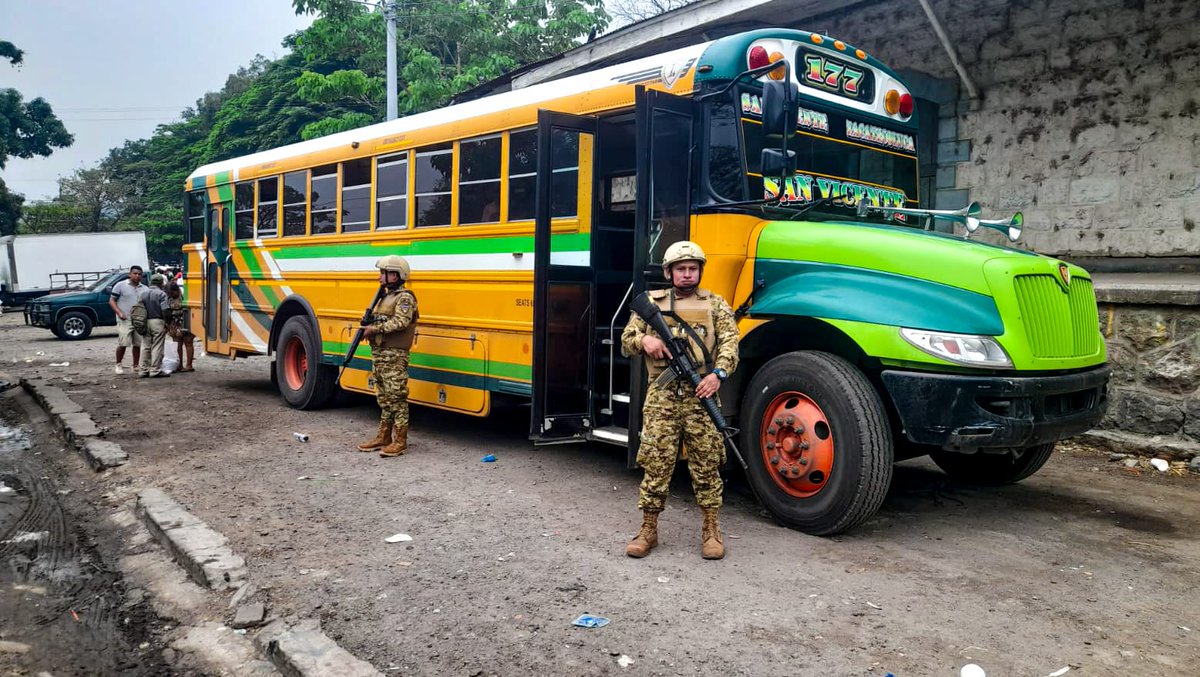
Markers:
point(1089, 121)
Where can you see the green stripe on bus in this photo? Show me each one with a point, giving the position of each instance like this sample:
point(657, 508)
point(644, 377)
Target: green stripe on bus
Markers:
point(445, 377)
point(481, 245)
point(493, 368)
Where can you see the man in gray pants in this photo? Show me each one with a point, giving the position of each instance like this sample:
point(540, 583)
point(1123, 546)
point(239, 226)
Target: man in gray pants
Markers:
point(155, 300)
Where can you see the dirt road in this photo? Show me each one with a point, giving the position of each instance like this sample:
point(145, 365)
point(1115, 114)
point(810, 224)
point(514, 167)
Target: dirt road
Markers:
point(1083, 566)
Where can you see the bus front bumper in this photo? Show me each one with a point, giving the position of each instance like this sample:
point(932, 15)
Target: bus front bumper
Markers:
point(953, 411)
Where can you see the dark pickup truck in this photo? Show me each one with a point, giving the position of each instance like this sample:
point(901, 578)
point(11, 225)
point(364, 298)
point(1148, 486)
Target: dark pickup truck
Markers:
point(72, 315)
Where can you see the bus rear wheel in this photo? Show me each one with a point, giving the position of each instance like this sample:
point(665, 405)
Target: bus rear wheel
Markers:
point(303, 381)
point(993, 470)
point(817, 442)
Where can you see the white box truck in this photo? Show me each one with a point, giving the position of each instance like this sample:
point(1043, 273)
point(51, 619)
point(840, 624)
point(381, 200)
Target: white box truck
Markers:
point(33, 265)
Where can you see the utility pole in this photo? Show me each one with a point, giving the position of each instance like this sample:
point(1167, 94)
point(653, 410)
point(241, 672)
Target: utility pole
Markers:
point(389, 12)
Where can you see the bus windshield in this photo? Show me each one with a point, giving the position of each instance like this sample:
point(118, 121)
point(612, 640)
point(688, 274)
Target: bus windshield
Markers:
point(838, 158)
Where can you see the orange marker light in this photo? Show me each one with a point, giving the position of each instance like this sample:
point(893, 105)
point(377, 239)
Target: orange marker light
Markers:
point(860, 54)
point(891, 102)
point(817, 39)
point(839, 45)
point(778, 73)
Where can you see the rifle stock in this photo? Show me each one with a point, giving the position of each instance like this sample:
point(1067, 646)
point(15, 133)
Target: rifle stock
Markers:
point(358, 335)
point(684, 367)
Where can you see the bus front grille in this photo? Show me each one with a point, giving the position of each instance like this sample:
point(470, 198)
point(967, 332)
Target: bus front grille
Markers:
point(1058, 325)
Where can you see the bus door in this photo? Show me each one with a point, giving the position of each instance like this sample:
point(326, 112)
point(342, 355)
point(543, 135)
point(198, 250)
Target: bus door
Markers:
point(665, 161)
point(562, 279)
point(217, 235)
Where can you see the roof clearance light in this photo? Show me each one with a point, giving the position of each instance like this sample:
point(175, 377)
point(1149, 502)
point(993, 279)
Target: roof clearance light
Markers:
point(758, 57)
point(778, 73)
point(839, 45)
point(860, 54)
point(891, 102)
point(816, 39)
point(906, 104)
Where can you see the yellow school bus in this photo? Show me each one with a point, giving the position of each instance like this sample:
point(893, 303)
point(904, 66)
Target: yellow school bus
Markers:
point(531, 218)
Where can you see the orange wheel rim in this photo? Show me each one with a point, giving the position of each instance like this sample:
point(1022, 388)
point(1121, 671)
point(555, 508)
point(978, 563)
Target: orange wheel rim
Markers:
point(295, 363)
point(796, 441)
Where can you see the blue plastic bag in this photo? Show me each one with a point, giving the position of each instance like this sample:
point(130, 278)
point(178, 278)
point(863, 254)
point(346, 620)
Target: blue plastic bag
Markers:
point(490, 458)
point(590, 621)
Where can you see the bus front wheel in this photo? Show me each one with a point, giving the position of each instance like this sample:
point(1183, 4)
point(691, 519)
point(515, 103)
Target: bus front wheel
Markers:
point(993, 469)
point(304, 381)
point(817, 442)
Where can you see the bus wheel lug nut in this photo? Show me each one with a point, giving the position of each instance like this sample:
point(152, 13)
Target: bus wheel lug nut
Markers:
point(804, 446)
point(791, 420)
point(800, 429)
point(802, 461)
point(772, 430)
point(770, 445)
point(778, 419)
point(774, 460)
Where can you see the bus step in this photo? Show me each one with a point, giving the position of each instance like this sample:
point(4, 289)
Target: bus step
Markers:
point(611, 434)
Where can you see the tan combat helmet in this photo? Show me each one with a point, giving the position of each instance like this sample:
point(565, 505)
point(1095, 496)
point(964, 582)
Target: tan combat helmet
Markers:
point(394, 263)
point(683, 250)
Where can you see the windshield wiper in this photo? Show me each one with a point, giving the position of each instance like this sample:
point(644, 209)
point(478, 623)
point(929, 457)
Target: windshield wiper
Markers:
point(819, 202)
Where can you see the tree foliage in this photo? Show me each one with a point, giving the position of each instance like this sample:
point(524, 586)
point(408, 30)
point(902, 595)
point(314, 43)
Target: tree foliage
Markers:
point(332, 79)
point(633, 11)
point(27, 129)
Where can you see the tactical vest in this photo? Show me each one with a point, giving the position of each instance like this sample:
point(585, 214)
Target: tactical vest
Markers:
point(402, 339)
point(697, 311)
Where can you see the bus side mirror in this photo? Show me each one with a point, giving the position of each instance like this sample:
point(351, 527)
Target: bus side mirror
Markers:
point(780, 108)
point(774, 163)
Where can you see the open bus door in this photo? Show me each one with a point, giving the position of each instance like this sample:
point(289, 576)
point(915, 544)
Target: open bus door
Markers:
point(215, 282)
point(665, 154)
point(562, 280)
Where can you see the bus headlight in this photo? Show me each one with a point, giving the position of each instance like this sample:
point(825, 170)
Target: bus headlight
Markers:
point(968, 349)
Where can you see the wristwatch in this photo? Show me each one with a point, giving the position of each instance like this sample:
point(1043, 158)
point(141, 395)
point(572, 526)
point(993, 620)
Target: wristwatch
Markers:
point(721, 374)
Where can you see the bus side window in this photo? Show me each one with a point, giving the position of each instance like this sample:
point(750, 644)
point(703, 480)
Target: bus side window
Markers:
point(479, 180)
point(268, 207)
point(522, 175)
point(434, 182)
point(356, 195)
point(195, 216)
point(295, 203)
point(323, 194)
point(243, 211)
point(391, 192)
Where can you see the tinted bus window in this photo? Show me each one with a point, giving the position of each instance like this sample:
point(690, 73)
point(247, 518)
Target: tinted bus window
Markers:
point(195, 216)
point(268, 207)
point(391, 190)
point(522, 175)
point(479, 180)
point(295, 203)
point(243, 211)
point(433, 185)
point(356, 195)
point(324, 200)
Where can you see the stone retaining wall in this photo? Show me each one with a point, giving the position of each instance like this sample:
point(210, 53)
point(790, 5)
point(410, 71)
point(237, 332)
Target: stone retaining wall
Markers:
point(1155, 355)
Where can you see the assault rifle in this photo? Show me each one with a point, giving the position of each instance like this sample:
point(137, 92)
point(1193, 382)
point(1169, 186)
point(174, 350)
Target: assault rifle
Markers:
point(684, 366)
point(358, 335)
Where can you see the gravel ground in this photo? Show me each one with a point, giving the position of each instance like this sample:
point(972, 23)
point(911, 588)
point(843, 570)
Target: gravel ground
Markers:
point(1085, 565)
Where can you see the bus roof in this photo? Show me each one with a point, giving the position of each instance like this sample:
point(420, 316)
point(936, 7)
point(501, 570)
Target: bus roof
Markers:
point(602, 89)
point(654, 69)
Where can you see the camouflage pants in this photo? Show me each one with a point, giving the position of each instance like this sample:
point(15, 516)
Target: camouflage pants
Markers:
point(673, 414)
point(390, 369)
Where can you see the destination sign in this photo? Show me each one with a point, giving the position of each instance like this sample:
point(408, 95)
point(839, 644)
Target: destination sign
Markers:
point(836, 76)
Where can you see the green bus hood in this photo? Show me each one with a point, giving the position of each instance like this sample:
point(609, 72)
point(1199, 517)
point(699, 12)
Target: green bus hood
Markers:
point(868, 279)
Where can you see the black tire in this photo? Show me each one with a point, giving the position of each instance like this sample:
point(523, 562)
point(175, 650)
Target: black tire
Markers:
point(303, 381)
point(993, 470)
point(854, 419)
point(73, 326)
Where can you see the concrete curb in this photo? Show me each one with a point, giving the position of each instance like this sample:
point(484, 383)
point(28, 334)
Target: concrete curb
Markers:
point(302, 650)
point(75, 424)
point(203, 552)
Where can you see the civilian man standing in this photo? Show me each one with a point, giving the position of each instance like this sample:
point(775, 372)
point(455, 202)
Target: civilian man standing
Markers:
point(124, 294)
point(155, 300)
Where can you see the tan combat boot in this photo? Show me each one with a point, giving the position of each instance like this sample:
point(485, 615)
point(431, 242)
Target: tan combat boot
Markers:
point(711, 546)
point(647, 538)
point(382, 438)
point(399, 443)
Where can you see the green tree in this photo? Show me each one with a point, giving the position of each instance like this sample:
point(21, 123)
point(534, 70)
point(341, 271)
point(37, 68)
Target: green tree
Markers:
point(53, 216)
point(442, 49)
point(27, 129)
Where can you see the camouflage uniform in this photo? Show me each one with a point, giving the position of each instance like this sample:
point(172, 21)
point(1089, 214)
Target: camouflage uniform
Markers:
point(395, 321)
point(673, 412)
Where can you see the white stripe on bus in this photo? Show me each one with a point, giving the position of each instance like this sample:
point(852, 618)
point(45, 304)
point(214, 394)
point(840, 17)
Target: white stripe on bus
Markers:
point(433, 262)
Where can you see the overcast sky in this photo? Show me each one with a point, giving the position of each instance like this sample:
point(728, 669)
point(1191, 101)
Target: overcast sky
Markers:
point(115, 69)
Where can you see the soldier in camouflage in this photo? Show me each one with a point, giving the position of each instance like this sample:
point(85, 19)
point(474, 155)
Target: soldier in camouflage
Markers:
point(391, 335)
point(672, 411)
